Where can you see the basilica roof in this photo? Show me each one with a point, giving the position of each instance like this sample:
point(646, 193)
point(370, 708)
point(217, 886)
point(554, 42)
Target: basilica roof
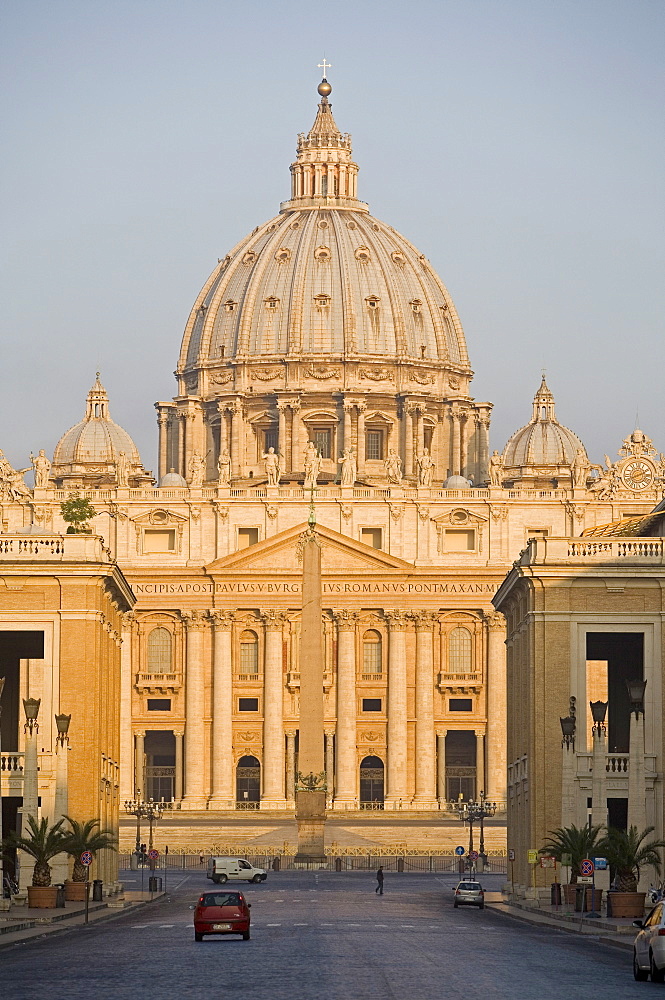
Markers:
point(323, 277)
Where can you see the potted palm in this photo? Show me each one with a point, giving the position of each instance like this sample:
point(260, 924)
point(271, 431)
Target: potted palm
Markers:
point(42, 842)
point(80, 837)
point(627, 852)
point(576, 843)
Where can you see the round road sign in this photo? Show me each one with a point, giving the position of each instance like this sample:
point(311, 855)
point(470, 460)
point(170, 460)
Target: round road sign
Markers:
point(153, 855)
point(459, 850)
point(473, 855)
point(587, 867)
point(86, 858)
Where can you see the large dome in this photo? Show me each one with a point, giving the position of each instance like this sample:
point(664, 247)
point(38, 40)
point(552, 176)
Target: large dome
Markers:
point(323, 278)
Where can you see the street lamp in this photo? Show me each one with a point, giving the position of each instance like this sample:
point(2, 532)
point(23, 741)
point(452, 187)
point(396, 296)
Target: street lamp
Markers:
point(152, 812)
point(636, 690)
point(2, 865)
point(134, 807)
point(568, 732)
point(598, 713)
point(481, 810)
point(62, 723)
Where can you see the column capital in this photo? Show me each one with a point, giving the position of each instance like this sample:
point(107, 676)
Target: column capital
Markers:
point(442, 733)
point(495, 621)
point(274, 619)
point(194, 620)
point(346, 620)
point(424, 620)
point(140, 733)
point(178, 733)
point(129, 620)
point(222, 620)
point(397, 620)
point(290, 733)
point(283, 405)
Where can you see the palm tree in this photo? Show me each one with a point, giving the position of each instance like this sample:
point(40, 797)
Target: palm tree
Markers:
point(627, 853)
point(82, 837)
point(576, 842)
point(42, 843)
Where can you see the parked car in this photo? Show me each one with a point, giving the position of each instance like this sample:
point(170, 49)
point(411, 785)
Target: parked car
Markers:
point(237, 869)
point(649, 946)
point(468, 893)
point(221, 913)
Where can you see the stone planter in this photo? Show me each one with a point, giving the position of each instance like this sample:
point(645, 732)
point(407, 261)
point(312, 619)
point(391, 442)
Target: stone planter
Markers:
point(625, 904)
point(42, 897)
point(75, 891)
point(570, 896)
point(569, 893)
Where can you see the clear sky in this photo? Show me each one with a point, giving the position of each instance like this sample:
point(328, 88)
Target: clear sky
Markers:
point(517, 143)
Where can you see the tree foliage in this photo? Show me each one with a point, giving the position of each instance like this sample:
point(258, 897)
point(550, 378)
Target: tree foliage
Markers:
point(42, 842)
point(85, 836)
point(578, 842)
point(77, 512)
point(627, 852)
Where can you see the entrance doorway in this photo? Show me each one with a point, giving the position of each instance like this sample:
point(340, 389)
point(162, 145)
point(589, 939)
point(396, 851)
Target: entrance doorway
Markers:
point(371, 783)
point(460, 765)
point(160, 765)
point(248, 783)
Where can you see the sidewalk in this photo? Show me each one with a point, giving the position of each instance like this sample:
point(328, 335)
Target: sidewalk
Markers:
point(617, 931)
point(23, 924)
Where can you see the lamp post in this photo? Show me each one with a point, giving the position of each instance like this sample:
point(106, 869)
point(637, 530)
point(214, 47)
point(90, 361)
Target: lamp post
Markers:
point(61, 803)
point(482, 810)
point(134, 807)
point(637, 768)
point(2, 864)
point(30, 774)
point(153, 813)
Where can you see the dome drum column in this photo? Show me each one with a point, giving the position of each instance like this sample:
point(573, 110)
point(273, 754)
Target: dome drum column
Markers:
point(362, 409)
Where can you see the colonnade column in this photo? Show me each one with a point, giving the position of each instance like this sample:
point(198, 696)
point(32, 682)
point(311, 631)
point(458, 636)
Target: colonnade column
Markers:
point(222, 791)
point(496, 707)
point(483, 425)
point(420, 429)
point(182, 433)
point(295, 437)
point(425, 746)
point(290, 765)
point(457, 445)
point(345, 775)
point(281, 439)
point(127, 763)
point(178, 783)
point(362, 409)
point(441, 789)
point(408, 443)
point(480, 762)
point(329, 756)
point(237, 439)
point(194, 797)
point(397, 729)
point(348, 416)
point(139, 764)
point(163, 424)
point(273, 712)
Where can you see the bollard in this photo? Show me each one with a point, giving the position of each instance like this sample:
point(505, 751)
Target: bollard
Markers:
point(154, 883)
point(555, 894)
point(60, 895)
point(338, 864)
point(97, 885)
point(276, 864)
point(400, 864)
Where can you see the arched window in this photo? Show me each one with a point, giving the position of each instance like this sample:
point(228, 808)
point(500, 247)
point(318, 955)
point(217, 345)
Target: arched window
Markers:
point(249, 652)
point(372, 662)
point(460, 651)
point(159, 651)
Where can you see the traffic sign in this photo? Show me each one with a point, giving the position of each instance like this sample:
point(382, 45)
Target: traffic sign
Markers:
point(511, 855)
point(585, 879)
point(532, 857)
point(459, 850)
point(473, 855)
point(587, 867)
point(86, 858)
point(153, 854)
point(547, 861)
point(600, 863)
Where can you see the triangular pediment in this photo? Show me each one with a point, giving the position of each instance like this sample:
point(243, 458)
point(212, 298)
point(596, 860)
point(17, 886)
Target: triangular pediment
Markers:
point(279, 554)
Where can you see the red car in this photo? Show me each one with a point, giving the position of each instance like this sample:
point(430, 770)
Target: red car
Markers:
point(221, 913)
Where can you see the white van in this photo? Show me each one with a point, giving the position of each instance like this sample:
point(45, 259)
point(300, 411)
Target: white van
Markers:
point(237, 869)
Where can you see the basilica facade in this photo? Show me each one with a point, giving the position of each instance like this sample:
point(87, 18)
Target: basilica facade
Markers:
point(323, 363)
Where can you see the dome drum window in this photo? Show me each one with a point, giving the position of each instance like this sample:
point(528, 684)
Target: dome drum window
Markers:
point(398, 257)
point(271, 302)
point(416, 306)
point(230, 306)
point(249, 257)
point(363, 255)
point(372, 302)
point(322, 255)
point(322, 301)
point(283, 255)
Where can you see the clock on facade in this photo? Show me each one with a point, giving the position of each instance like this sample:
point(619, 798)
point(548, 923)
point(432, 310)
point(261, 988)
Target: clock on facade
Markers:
point(637, 475)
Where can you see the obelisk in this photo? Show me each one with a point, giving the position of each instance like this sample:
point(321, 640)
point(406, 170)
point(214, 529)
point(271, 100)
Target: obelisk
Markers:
point(311, 779)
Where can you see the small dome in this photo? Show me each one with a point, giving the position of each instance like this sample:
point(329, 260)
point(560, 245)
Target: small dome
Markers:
point(96, 449)
point(544, 448)
point(457, 483)
point(172, 479)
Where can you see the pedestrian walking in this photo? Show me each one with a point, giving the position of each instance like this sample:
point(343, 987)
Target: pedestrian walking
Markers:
point(201, 858)
point(379, 881)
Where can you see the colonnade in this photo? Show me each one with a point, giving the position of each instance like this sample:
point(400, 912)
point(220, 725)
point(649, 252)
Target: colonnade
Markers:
point(206, 752)
point(459, 435)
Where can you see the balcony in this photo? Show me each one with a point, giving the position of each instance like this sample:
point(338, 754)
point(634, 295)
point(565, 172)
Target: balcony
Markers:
point(159, 683)
point(467, 683)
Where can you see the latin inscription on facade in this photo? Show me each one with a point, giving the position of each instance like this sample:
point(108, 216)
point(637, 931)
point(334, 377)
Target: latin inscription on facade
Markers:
point(332, 587)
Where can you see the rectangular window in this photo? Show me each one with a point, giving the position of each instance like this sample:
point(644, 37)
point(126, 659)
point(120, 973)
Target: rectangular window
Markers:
point(159, 704)
point(537, 532)
point(371, 704)
point(372, 658)
point(322, 438)
point(270, 438)
point(372, 536)
point(460, 705)
point(247, 537)
point(374, 445)
point(248, 704)
point(159, 541)
point(459, 540)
